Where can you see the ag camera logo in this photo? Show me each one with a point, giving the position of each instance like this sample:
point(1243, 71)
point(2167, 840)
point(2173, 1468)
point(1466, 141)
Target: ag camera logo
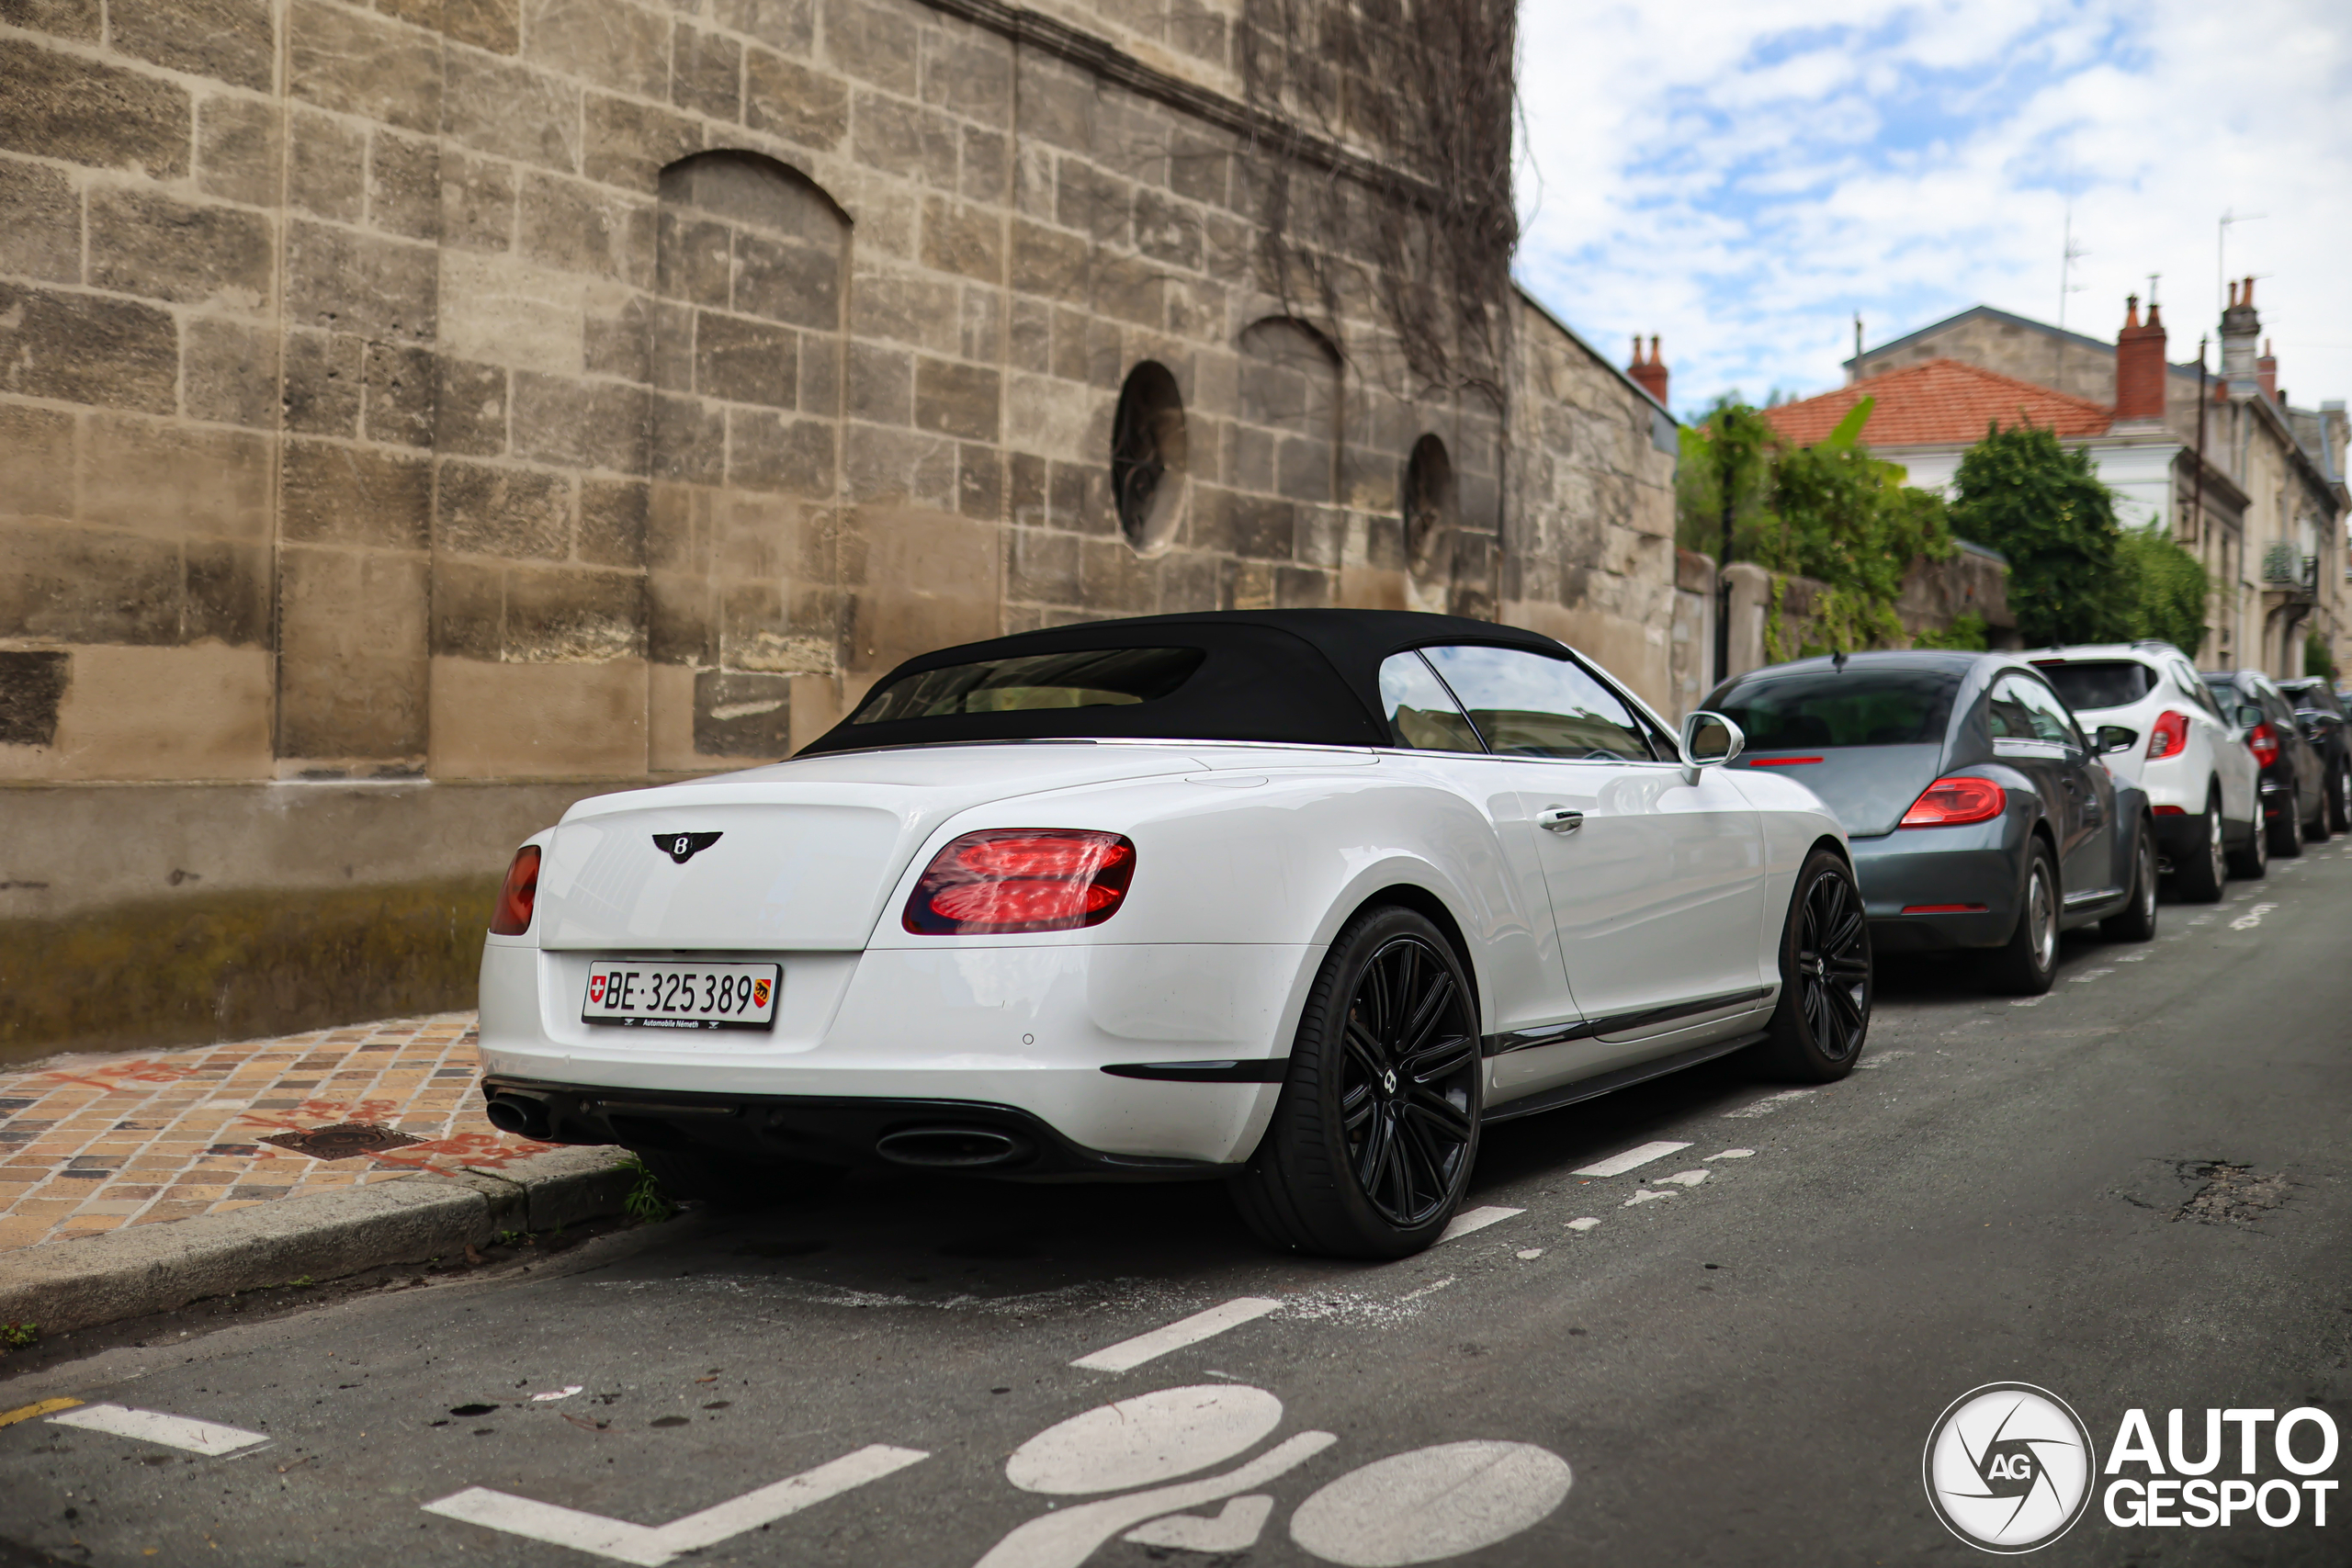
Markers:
point(2009, 1467)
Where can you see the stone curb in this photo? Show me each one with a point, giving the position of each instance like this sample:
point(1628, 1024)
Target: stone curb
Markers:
point(61, 1285)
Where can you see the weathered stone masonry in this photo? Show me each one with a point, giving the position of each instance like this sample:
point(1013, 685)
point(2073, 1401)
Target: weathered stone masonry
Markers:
point(414, 417)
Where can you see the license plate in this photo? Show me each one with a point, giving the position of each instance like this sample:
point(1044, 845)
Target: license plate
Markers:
point(644, 995)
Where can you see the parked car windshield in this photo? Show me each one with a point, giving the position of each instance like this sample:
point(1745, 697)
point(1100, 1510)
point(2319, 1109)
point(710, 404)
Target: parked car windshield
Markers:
point(1856, 707)
point(2099, 682)
point(1081, 679)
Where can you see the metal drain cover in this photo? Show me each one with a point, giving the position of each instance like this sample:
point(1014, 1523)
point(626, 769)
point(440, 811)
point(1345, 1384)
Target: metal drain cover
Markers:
point(343, 1140)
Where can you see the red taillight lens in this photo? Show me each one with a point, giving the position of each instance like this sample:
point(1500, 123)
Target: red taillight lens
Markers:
point(2170, 735)
point(1021, 879)
point(519, 896)
point(1948, 803)
point(2264, 743)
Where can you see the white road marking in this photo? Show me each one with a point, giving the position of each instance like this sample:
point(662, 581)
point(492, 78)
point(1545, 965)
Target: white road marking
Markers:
point(1149, 1439)
point(1767, 1105)
point(1618, 1165)
point(1679, 1179)
point(1432, 1288)
point(649, 1548)
point(1067, 1538)
point(1732, 1154)
point(1528, 1254)
point(1474, 1220)
point(1191, 1331)
point(1432, 1503)
point(1235, 1529)
point(153, 1427)
point(2252, 918)
point(2089, 975)
point(1645, 1196)
point(553, 1394)
point(1585, 1224)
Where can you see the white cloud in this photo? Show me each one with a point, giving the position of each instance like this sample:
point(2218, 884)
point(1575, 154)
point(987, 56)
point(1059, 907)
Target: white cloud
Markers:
point(1740, 176)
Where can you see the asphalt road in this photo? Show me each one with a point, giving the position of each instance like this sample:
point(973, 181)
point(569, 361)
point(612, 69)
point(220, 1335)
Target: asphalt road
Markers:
point(2131, 1193)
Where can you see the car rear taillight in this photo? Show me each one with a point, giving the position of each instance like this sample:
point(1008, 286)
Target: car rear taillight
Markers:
point(2264, 743)
point(1948, 803)
point(519, 896)
point(2169, 737)
point(1021, 879)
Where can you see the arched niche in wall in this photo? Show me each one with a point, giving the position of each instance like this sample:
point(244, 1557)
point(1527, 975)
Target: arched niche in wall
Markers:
point(1290, 393)
point(1149, 448)
point(1431, 507)
point(746, 355)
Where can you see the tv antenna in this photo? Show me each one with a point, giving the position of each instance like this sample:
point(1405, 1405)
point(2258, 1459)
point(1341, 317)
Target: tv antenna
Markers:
point(2070, 254)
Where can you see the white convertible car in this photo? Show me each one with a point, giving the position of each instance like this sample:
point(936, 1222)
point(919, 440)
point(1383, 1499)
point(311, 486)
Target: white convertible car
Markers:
point(1296, 899)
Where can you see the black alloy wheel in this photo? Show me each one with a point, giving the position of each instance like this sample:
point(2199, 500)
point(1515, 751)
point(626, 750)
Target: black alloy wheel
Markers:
point(1371, 1146)
point(1823, 1015)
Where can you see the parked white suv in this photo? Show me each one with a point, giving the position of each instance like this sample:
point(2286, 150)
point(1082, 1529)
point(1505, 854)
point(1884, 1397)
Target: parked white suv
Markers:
point(2158, 725)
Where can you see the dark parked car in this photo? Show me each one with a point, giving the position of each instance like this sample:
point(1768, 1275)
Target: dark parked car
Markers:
point(2319, 712)
point(2294, 773)
point(1979, 814)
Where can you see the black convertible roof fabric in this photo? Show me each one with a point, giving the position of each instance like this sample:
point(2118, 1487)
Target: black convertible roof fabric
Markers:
point(1308, 677)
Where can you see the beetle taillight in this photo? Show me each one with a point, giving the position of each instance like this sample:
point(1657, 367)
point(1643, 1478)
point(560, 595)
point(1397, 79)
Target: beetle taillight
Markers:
point(2169, 736)
point(520, 897)
point(1950, 803)
point(1021, 879)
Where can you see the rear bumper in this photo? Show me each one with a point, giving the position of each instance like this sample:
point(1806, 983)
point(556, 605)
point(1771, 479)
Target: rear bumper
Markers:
point(969, 1136)
point(1932, 869)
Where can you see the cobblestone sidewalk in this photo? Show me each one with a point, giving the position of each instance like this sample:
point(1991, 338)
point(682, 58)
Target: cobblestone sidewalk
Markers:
point(91, 1143)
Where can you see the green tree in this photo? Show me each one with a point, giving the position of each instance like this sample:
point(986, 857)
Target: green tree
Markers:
point(2317, 660)
point(2042, 506)
point(2160, 590)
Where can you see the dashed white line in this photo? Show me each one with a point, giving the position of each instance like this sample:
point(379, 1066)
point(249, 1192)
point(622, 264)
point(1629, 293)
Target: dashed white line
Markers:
point(153, 1427)
point(1585, 1224)
point(1679, 1179)
point(1730, 1154)
point(625, 1542)
point(1474, 1220)
point(1645, 1196)
point(1618, 1165)
point(1191, 1331)
point(1767, 1105)
point(1527, 1254)
point(2252, 918)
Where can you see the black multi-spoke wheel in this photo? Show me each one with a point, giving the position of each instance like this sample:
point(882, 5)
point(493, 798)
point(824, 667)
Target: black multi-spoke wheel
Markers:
point(1825, 1011)
point(1371, 1145)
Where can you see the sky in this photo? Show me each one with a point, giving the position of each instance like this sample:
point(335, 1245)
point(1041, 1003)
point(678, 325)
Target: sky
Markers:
point(1741, 177)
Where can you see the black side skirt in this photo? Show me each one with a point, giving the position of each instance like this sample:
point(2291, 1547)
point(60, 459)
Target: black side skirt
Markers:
point(1623, 1077)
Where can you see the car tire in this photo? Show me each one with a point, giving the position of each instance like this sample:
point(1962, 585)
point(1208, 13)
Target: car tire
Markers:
point(1371, 1146)
point(2136, 921)
point(2286, 827)
point(2318, 829)
point(724, 1182)
point(2199, 874)
point(2027, 963)
point(1824, 1017)
point(2252, 859)
point(2339, 799)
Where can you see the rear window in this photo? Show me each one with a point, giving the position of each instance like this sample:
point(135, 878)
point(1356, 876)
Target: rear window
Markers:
point(1873, 707)
point(2100, 683)
point(2315, 699)
point(1110, 677)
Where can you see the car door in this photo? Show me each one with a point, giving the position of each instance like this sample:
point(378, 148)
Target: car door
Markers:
point(1519, 943)
point(1656, 872)
point(2233, 764)
point(2086, 848)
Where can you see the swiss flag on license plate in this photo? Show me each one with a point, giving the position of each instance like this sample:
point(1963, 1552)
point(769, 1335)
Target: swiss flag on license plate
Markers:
point(595, 988)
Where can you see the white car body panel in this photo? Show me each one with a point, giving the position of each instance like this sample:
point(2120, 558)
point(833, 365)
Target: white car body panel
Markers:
point(2215, 754)
point(1249, 860)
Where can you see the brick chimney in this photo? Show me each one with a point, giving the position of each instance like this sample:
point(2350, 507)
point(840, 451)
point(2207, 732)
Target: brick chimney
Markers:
point(2241, 327)
point(2266, 373)
point(1648, 374)
point(2139, 363)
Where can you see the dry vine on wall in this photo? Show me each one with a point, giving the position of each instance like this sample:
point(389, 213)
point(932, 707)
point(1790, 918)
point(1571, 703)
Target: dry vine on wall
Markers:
point(1421, 228)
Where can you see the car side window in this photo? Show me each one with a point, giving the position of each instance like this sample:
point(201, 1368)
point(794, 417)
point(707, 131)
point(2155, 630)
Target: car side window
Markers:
point(2196, 691)
point(1421, 714)
point(1529, 705)
point(2018, 701)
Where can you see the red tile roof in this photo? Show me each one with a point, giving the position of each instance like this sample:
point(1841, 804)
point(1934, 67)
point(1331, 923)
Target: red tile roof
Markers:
point(1937, 403)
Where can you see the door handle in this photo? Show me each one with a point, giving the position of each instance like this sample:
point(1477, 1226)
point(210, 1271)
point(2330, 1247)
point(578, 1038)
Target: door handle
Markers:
point(1559, 819)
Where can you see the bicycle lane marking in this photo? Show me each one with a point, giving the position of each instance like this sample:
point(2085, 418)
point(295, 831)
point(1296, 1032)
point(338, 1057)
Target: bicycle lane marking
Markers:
point(207, 1437)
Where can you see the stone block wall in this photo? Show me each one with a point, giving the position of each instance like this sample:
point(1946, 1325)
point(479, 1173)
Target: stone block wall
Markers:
point(580, 392)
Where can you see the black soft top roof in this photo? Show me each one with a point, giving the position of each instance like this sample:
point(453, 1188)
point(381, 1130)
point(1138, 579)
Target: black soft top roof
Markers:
point(1308, 677)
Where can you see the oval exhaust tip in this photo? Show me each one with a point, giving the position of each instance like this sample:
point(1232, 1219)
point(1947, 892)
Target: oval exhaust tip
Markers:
point(951, 1148)
point(523, 1118)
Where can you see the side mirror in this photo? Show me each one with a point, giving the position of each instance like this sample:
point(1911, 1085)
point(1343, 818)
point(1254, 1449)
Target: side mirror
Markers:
point(2249, 715)
point(2114, 737)
point(1709, 741)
